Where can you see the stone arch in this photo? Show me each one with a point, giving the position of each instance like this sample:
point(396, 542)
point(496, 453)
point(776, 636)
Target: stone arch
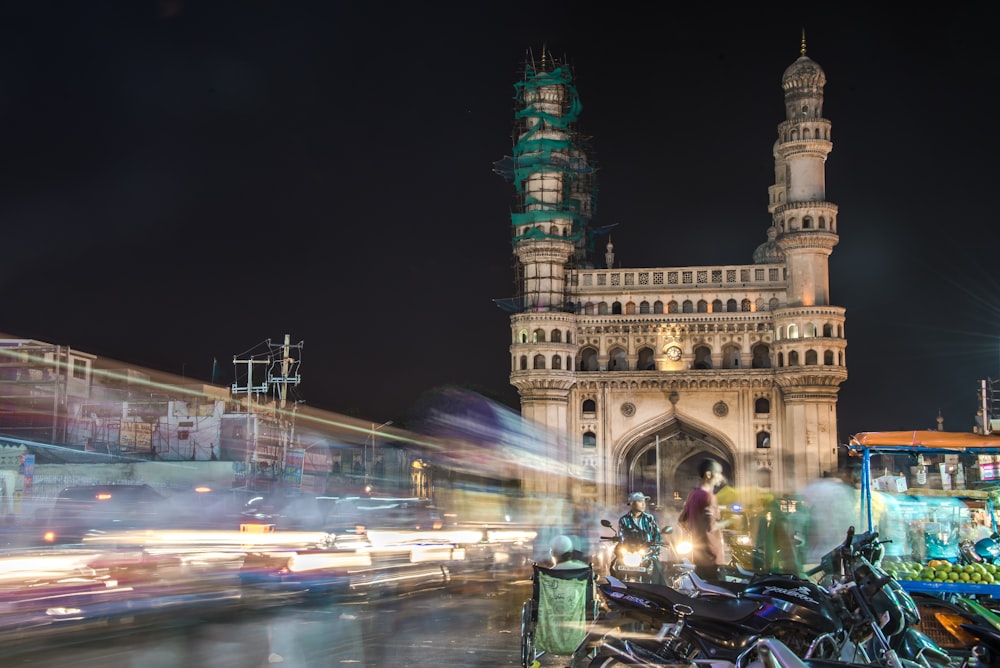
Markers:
point(731, 356)
point(683, 443)
point(646, 362)
point(617, 360)
point(702, 358)
point(760, 356)
point(588, 359)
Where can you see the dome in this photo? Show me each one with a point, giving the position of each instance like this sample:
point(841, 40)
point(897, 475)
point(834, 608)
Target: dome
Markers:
point(768, 252)
point(803, 70)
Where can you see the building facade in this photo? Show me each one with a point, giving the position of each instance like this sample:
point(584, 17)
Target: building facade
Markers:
point(648, 370)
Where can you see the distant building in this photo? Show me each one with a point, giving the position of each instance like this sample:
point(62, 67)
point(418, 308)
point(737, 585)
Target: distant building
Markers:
point(647, 370)
point(67, 406)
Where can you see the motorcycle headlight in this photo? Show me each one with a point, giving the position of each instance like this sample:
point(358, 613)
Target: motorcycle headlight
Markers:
point(633, 558)
point(683, 547)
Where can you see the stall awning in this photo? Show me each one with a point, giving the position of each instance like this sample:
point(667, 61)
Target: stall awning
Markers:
point(951, 440)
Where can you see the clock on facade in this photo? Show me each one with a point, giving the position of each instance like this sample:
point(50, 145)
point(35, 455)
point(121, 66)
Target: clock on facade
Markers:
point(674, 353)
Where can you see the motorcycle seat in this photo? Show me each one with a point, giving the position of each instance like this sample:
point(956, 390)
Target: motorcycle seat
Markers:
point(722, 608)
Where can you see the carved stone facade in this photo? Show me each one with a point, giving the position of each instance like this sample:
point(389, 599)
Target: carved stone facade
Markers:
point(648, 370)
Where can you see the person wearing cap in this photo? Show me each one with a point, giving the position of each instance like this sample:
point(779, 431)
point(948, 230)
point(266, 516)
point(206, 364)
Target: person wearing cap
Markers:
point(638, 520)
point(563, 553)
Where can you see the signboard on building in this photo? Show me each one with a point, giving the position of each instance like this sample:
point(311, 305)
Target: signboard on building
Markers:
point(26, 467)
point(294, 462)
point(137, 435)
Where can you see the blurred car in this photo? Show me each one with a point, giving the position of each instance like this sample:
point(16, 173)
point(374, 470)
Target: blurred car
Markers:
point(82, 510)
point(341, 516)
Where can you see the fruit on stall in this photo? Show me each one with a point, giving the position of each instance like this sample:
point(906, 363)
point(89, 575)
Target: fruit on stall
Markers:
point(941, 570)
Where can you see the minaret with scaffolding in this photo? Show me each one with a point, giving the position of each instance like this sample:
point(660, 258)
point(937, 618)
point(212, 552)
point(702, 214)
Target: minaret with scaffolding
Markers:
point(553, 184)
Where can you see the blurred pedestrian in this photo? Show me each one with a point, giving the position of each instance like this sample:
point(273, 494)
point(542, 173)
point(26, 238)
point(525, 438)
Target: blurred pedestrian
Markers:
point(701, 518)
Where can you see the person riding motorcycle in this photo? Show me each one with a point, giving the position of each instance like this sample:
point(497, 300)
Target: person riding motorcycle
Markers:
point(638, 522)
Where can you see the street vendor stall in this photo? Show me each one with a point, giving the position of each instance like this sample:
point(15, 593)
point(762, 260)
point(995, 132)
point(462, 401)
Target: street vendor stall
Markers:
point(944, 487)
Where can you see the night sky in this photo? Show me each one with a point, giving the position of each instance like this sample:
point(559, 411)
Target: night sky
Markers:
point(185, 180)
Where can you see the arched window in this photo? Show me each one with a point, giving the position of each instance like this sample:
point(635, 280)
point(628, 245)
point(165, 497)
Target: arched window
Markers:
point(524, 362)
point(793, 358)
point(762, 406)
point(731, 357)
point(557, 362)
point(588, 360)
point(539, 361)
point(702, 357)
point(687, 306)
point(827, 330)
point(702, 306)
point(781, 360)
point(807, 223)
point(761, 356)
point(672, 306)
point(811, 357)
point(793, 331)
point(731, 305)
point(657, 306)
point(589, 439)
point(643, 306)
point(763, 439)
point(828, 358)
point(646, 361)
point(556, 336)
point(602, 308)
point(589, 406)
point(745, 306)
point(569, 336)
point(538, 336)
point(588, 308)
point(616, 308)
point(630, 308)
point(617, 360)
point(523, 336)
point(808, 330)
point(773, 303)
point(717, 306)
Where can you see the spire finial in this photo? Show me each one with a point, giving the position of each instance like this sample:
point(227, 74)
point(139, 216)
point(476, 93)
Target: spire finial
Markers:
point(544, 49)
point(803, 49)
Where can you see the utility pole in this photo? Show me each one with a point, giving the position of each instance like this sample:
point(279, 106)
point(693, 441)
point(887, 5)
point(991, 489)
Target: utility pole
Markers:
point(289, 376)
point(250, 389)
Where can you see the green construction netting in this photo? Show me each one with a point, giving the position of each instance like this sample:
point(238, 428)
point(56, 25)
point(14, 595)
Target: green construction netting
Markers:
point(535, 154)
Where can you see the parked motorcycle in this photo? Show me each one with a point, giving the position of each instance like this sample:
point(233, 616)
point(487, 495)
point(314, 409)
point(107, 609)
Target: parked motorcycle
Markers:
point(858, 618)
point(983, 551)
point(632, 557)
point(971, 628)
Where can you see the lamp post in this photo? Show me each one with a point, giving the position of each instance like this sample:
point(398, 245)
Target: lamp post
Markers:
point(370, 469)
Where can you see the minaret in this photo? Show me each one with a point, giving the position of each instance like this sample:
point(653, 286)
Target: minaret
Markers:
point(806, 223)
point(543, 230)
point(552, 180)
point(810, 343)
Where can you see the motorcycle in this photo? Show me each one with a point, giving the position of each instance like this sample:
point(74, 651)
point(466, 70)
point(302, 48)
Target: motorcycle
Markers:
point(860, 618)
point(632, 557)
point(972, 628)
point(983, 551)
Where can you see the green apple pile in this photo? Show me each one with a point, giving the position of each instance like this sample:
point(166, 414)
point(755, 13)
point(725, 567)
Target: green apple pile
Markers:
point(939, 570)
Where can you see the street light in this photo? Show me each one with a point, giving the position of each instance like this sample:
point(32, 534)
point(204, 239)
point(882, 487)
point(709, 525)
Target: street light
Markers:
point(371, 467)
